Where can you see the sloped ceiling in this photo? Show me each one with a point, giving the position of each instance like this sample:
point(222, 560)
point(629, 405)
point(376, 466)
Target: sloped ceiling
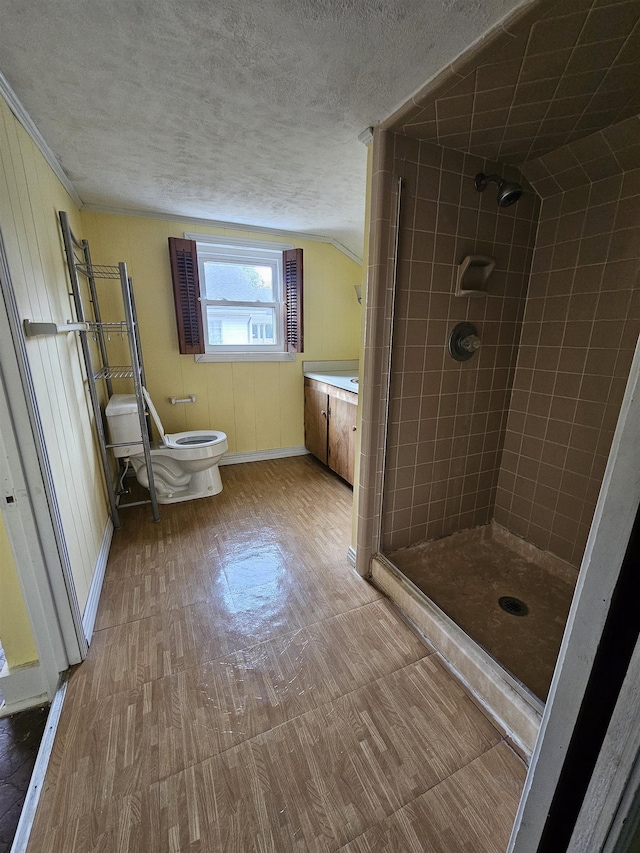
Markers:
point(556, 73)
point(234, 110)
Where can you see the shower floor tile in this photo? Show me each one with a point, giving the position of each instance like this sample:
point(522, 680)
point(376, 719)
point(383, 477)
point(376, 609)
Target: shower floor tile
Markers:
point(467, 573)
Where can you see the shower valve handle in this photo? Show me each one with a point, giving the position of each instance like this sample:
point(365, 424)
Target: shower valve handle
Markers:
point(471, 343)
point(463, 341)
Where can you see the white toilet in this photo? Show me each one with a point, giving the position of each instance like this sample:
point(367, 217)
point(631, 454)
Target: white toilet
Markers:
point(185, 464)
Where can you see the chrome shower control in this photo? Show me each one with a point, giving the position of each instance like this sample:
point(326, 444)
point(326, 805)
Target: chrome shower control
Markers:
point(471, 343)
point(463, 341)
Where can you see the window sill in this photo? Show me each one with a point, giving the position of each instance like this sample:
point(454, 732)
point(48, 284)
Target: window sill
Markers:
point(245, 356)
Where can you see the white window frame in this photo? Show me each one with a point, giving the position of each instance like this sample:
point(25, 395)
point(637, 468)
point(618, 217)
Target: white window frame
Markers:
point(252, 252)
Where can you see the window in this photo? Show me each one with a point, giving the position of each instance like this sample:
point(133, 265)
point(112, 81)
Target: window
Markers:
point(237, 300)
point(241, 298)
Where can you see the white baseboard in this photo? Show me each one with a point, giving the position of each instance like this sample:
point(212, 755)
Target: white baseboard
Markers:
point(351, 556)
point(93, 599)
point(22, 687)
point(262, 455)
point(23, 830)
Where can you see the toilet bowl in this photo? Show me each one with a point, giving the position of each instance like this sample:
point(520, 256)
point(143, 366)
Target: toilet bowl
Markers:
point(185, 464)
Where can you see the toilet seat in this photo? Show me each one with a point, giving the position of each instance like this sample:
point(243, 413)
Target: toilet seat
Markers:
point(189, 440)
point(194, 438)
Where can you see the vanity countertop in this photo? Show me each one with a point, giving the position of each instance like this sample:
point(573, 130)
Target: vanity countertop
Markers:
point(338, 378)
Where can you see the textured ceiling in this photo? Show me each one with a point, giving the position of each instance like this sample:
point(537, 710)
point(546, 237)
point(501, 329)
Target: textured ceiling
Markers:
point(234, 110)
point(555, 73)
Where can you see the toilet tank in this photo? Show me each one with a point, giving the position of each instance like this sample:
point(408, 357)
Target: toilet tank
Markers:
point(124, 424)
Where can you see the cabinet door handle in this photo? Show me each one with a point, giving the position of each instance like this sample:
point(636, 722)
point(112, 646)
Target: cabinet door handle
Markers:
point(323, 413)
point(353, 429)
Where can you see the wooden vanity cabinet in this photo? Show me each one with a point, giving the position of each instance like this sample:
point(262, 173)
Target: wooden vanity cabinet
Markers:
point(330, 426)
point(341, 454)
point(316, 419)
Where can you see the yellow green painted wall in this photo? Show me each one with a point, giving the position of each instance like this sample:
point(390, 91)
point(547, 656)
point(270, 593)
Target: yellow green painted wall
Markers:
point(258, 405)
point(30, 197)
point(16, 635)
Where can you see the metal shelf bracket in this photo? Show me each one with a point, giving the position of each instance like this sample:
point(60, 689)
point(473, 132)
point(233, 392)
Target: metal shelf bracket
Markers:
point(32, 329)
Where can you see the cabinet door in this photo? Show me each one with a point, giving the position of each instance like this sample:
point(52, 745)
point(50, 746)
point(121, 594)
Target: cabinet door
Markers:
point(342, 437)
point(316, 415)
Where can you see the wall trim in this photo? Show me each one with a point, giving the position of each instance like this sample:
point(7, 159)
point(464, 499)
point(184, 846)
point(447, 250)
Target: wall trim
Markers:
point(457, 68)
point(239, 244)
point(19, 111)
point(219, 223)
point(232, 357)
point(351, 556)
point(93, 599)
point(22, 687)
point(25, 824)
point(262, 455)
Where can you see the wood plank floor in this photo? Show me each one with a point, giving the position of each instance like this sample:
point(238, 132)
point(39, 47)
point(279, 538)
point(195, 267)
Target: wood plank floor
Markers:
point(247, 691)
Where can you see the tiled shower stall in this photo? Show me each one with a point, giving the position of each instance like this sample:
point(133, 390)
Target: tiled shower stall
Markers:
point(504, 454)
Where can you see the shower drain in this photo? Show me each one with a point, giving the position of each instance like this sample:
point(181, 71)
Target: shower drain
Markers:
point(513, 606)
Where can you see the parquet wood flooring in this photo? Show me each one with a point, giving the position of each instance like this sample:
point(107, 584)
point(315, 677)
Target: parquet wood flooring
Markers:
point(247, 691)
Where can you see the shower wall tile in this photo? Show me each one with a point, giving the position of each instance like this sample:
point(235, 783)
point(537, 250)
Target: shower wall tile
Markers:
point(601, 155)
point(580, 329)
point(447, 418)
point(552, 73)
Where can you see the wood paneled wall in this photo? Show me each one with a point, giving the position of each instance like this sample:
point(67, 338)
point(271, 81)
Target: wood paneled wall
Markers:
point(30, 198)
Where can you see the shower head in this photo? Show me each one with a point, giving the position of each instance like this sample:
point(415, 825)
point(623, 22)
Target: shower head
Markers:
point(508, 192)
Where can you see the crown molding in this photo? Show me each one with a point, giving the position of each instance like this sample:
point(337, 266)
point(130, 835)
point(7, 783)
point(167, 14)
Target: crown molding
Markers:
point(218, 223)
point(19, 111)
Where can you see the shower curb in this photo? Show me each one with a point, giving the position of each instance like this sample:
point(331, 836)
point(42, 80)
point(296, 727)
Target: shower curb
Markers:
point(517, 712)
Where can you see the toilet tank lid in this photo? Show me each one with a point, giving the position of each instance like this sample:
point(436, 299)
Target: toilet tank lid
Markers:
point(121, 404)
point(125, 404)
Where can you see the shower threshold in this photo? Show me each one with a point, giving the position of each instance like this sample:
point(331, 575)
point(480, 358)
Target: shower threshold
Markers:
point(466, 574)
point(451, 589)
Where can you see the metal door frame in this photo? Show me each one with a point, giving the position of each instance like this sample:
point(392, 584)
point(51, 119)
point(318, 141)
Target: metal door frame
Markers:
point(32, 514)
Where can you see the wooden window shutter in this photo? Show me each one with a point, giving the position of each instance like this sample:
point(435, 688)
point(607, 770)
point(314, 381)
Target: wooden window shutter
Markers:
point(292, 263)
point(186, 294)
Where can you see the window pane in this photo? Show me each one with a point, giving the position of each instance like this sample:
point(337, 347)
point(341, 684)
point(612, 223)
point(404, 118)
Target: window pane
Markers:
point(238, 282)
point(240, 326)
